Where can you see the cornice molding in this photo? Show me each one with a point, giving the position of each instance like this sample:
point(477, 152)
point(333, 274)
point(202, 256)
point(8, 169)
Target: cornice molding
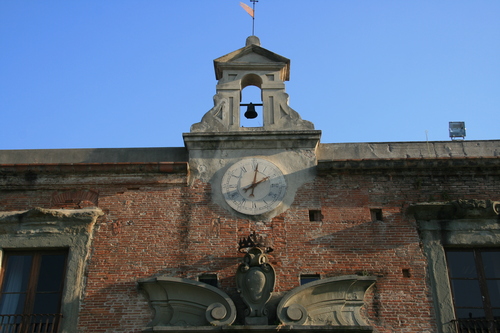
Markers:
point(458, 209)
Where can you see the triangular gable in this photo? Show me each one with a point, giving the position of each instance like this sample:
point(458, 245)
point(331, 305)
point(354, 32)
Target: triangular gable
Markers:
point(252, 57)
point(252, 49)
point(251, 54)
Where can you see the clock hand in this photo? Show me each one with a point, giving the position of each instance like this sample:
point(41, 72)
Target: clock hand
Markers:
point(254, 179)
point(260, 181)
point(255, 174)
point(252, 186)
point(249, 187)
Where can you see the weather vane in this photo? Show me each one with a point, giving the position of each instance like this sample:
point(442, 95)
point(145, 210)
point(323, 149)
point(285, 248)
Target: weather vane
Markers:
point(250, 11)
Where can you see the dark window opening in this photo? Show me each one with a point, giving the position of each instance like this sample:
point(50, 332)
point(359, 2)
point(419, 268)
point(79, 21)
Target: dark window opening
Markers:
point(210, 279)
point(315, 215)
point(306, 278)
point(30, 291)
point(406, 272)
point(376, 214)
point(475, 282)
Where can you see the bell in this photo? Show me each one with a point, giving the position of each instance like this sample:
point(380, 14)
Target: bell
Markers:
point(250, 113)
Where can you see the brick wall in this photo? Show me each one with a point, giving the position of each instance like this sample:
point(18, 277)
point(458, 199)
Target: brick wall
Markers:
point(156, 224)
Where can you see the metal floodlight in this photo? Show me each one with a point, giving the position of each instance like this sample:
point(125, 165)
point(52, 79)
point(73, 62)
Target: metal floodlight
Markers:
point(457, 129)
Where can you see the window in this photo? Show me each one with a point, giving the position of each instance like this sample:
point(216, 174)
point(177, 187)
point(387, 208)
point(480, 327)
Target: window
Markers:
point(210, 279)
point(31, 289)
point(475, 282)
point(315, 215)
point(306, 278)
point(376, 214)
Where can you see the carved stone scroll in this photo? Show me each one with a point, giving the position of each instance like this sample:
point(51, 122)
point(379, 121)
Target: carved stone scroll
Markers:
point(335, 301)
point(182, 302)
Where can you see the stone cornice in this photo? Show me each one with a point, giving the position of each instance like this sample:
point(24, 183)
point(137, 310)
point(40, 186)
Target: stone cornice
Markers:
point(459, 209)
point(253, 139)
point(39, 221)
point(37, 214)
point(407, 163)
point(115, 168)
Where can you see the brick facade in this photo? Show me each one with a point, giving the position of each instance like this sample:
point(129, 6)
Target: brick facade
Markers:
point(156, 224)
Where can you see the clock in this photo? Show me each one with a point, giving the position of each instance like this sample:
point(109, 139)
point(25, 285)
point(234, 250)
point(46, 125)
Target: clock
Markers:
point(253, 186)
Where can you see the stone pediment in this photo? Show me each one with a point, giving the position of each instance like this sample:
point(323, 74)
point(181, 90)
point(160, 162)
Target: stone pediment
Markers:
point(253, 57)
point(252, 54)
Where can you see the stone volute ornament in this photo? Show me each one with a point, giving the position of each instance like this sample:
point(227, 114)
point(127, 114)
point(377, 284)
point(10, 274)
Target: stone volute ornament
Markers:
point(255, 279)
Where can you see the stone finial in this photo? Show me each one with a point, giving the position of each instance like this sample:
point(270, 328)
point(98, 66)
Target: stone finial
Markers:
point(253, 40)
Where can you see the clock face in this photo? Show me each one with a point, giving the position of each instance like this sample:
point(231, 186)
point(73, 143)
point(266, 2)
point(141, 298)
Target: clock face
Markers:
point(253, 186)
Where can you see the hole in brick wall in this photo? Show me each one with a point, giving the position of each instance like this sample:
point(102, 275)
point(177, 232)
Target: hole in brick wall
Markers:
point(315, 215)
point(376, 214)
point(306, 278)
point(406, 272)
point(210, 279)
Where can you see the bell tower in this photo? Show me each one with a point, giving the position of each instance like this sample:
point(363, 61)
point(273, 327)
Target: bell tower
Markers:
point(254, 172)
point(251, 65)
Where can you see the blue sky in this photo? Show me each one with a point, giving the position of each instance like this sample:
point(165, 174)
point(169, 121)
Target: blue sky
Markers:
point(138, 73)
